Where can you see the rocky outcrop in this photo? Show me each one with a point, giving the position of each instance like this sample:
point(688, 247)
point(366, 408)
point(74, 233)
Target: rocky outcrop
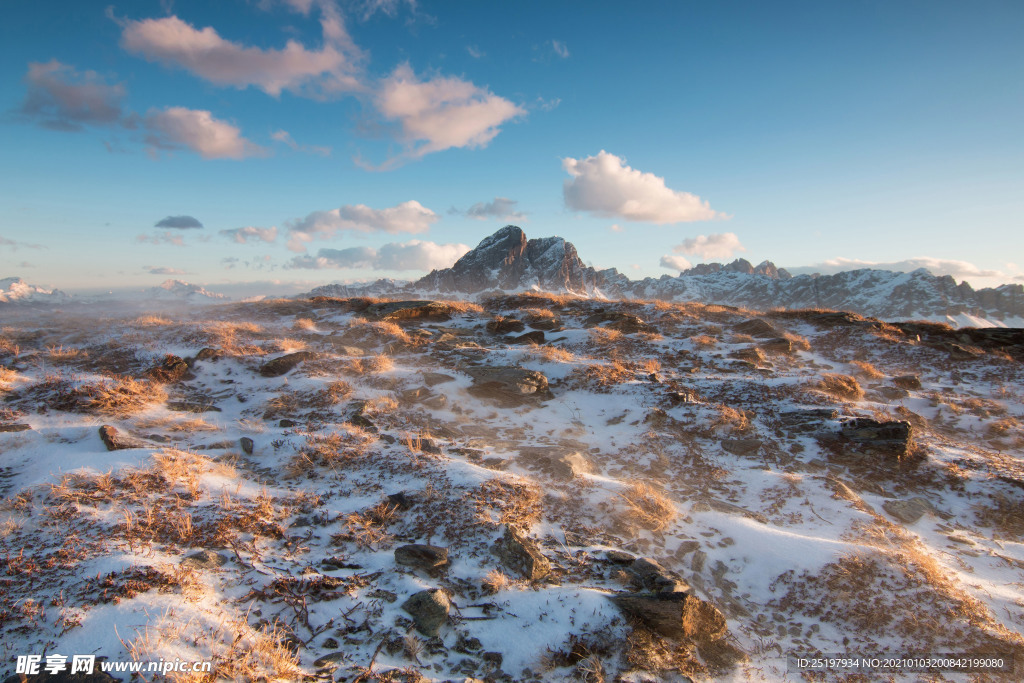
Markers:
point(279, 366)
point(522, 555)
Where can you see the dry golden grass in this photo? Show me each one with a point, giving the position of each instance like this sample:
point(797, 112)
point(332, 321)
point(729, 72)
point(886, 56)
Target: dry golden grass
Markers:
point(704, 340)
point(233, 338)
point(8, 346)
point(151, 320)
point(1003, 514)
point(496, 581)
point(799, 341)
point(555, 354)
point(647, 506)
point(462, 306)
point(62, 353)
point(602, 336)
point(841, 386)
point(866, 369)
point(304, 325)
point(368, 528)
point(348, 443)
point(538, 314)
point(733, 419)
point(287, 346)
point(602, 376)
point(382, 405)
point(380, 330)
point(369, 364)
point(650, 365)
point(7, 375)
point(176, 423)
point(508, 501)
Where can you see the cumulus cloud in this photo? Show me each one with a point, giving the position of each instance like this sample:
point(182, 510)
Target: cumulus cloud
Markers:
point(251, 234)
point(61, 98)
point(500, 208)
point(957, 269)
point(411, 255)
point(165, 237)
point(721, 246)
point(163, 270)
point(606, 186)
point(560, 49)
point(178, 222)
point(408, 217)
point(197, 130)
point(203, 52)
point(673, 262)
point(286, 138)
point(441, 113)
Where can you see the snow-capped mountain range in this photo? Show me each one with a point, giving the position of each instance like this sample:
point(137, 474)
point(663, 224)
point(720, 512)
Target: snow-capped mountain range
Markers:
point(508, 261)
point(16, 290)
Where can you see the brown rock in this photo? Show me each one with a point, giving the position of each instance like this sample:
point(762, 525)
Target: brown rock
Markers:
point(279, 366)
point(675, 615)
point(522, 555)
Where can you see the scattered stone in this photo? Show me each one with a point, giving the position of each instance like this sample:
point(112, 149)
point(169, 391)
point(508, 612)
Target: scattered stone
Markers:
point(114, 440)
point(381, 594)
point(247, 445)
point(434, 378)
point(910, 382)
point(755, 327)
point(684, 396)
point(287, 423)
point(509, 385)
point(675, 615)
point(330, 661)
point(809, 420)
point(494, 659)
point(279, 366)
point(741, 446)
point(429, 610)
point(505, 325)
point(171, 369)
point(555, 461)
point(17, 427)
point(908, 511)
point(217, 446)
point(330, 643)
point(192, 407)
point(204, 559)
point(429, 558)
point(649, 575)
point(522, 555)
point(467, 644)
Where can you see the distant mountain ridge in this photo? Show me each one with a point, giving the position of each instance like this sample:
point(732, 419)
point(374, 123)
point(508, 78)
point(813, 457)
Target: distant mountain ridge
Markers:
point(508, 261)
point(16, 290)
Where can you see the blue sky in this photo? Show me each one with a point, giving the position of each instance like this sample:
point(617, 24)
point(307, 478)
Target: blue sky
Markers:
point(318, 141)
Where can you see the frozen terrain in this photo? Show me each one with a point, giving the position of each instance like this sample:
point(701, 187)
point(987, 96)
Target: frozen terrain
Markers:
point(526, 487)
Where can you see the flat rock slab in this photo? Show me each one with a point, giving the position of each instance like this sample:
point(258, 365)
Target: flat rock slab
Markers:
point(192, 407)
point(908, 511)
point(755, 327)
point(434, 378)
point(17, 427)
point(893, 437)
point(422, 556)
point(429, 610)
point(741, 446)
point(522, 555)
point(648, 574)
point(279, 366)
point(204, 559)
point(508, 384)
point(675, 615)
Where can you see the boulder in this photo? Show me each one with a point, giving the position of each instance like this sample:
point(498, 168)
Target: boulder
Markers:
point(534, 337)
point(508, 385)
point(909, 382)
point(505, 325)
point(204, 559)
point(627, 323)
point(778, 345)
point(675, 615)
point(279, 366)
point(556, 461)
point(522, 555)
point(247, 445)
point(893, 437)
point(171, 369)
point(115, 440)
point(910, 510)
point(429, 610)
point(429, 558)
point(755, 327)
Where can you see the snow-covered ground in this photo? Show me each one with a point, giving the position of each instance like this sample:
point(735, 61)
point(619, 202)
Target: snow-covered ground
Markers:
point(715, 441)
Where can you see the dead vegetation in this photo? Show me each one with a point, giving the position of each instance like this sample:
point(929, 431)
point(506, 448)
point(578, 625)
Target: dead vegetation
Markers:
point(842, 387)
point(647, 506)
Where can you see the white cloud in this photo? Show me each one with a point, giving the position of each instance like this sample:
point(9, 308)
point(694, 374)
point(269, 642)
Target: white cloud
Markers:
point(673, 262)
point(500, 208)
point(251, 234)
point(721, 246)
point(286, 138)
point(615, 227)
point(475, 52)
point(61, 98)
point(441, 113)
point(408, 217)
point(560, 49)
point(199, 131)
point(14, 245)
point(957, 269)
point(163, 270)
point(604, 185)
point(411, 255)
point(173, 42)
